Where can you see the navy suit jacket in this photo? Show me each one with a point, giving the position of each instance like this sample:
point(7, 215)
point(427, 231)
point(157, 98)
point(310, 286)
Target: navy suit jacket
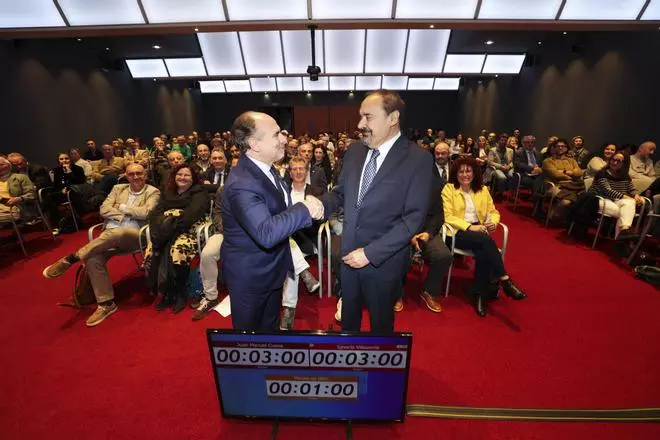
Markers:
point(255, 253)
point(392, 211)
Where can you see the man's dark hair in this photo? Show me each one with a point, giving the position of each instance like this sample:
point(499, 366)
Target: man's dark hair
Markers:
point(477, 182)
point(391, 101)
point(90, 139)
point(244, 127)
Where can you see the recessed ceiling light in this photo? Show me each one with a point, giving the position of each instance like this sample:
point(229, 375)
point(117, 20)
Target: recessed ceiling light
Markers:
point(107, 48)
point(565, 32)
point(155, 80)
point(432, 26)
point(196, 29)
point(155, 46)
point(79, 39)
point(539, 43)
point(309, 93)
point(489, 42)
point(266, 94)
point(480, 82)
point(497, 76)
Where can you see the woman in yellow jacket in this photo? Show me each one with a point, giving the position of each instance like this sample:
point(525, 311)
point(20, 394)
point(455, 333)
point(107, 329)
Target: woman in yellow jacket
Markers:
point(469, 209)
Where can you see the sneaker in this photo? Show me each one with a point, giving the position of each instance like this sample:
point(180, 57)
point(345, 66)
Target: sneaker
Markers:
point(288, 315)
point(204, 307)
point(398, 305)
point(338, 313)
point(57, 268)
point(431, 303)
point(311, 283)
point(101, 313)
point(55, 232)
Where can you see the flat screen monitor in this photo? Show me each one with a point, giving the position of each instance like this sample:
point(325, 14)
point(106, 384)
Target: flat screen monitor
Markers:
point(311, 375)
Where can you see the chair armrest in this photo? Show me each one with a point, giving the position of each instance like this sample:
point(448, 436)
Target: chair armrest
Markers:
point(40, 193)
point(90, 231)
point(505, 239)
point(144, 231)
point(448, 228)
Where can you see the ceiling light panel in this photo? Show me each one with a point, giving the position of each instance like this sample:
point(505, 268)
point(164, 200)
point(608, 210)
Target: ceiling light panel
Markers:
point(212, 86)
point(395, 82)
point(315, 86)
point(420, 83)
point(29, 13)
point(252, 10)
point(185, 67)
point(464, 63)
point(101, 12)
point(177, 11)
point(503, 64)
point(426, 50)
point(652, 11)
point(519, 9)
point(339, 83)
point(147, 68)
point(368, 82)
point(222, 53)
point(430, 9)
point(443, 83)
point(262, 52)
point(298, 51)
point(237, 86)
point(601, 9)
point(351, 9)
point(263, 84)
point(344, 51)
point(289, 84)
point(386, 49)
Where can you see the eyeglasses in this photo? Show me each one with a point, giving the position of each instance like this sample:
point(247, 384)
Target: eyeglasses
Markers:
point(616, 160)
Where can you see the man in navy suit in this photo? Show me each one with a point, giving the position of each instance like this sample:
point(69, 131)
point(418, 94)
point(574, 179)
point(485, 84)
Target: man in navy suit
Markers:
point(258, 218)
point(384, 188)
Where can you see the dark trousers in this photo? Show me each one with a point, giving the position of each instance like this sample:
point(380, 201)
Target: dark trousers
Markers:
point(256, 311)
point(378, 294)
point(489, 264)
point(535, 182)
point(106, 183)
point(439, 257)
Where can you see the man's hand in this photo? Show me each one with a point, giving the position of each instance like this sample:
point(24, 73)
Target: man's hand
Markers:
point(638, 199)
point(14, 201)
point(314, 206)
point(490, 227)
point(537, 170)
point(357, 259)
point(422, 236)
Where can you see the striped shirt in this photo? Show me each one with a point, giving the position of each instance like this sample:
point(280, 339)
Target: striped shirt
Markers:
point(605, 185)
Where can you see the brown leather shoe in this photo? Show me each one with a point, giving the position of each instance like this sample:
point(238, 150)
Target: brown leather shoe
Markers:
point(431, 303)
point(398, 305)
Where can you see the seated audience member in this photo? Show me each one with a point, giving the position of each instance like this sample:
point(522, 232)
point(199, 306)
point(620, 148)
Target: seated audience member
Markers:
point(35, 172)
point(92, 153)
point(217, 173)
point(124, 211)
point(545, 151)
point(65, 175)
point(599, 161)
point(620, 197)
point(641, 166)
point(469, 147)
point(527, 161)
point(501, 160)
point(321, 163)
point(234, 151)
point(192, 140)
point(516, 134)
point(174, 159)
point(15, 189)
point(428, 138)
point(469, 209)
point(107, 171)
point(134, 154)
point(492, 141)
point(74, 154)
point(202, 163)
point(119, 147)
point(182, 147)
point(184, 204)
point(441, 154)
point(565, 173)
point(457, 147)
point(579, 152)
point(480, 154)
point(315, 175)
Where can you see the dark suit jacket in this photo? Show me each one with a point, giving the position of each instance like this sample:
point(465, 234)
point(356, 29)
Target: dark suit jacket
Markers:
point(97, 154)
point(38, 175)
point(521, 161)
point(209, 175)
point(393, 209)
point(317, 177)
point(255, 253)
point(62, 179)
point(306, 238)
point(436, 215)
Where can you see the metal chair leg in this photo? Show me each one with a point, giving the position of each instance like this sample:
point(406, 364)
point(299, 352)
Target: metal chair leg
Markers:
point(20, 238)
point(600, 225)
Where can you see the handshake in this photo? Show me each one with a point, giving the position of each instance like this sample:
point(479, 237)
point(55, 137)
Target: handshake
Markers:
point(314, 206)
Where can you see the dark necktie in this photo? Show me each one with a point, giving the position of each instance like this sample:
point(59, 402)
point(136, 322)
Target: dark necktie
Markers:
point(368, 177)
point(442, 173)
point(281, 186)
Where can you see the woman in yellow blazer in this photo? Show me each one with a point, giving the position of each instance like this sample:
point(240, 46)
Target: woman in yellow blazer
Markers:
point(470, 210)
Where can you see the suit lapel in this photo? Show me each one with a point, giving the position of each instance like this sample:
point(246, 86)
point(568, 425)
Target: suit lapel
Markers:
point(256, 172)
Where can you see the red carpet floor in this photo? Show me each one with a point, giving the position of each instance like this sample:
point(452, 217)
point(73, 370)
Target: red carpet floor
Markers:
point(585, 338)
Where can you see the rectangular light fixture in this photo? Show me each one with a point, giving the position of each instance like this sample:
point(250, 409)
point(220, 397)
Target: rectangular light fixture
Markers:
point(298, 51)
point(212, 86)
point(262, 52)
point(153, 68)
point(177, 11)
point(313, 86)
point(101, 12)
point(255, 10)
point(443, 83)
point(368, 82)
point(185, 67)
point(601, 9)
point(237, 85)
point(289, 84)
point(340, 83)
point(420, 83)
point(426, 50)
point(386, 49)
point(395, 82)
point(221, 52)
point(344, 51)
point(29, 13)
point(263, 84)
point(519, 9)
point(503, 64)
point(464, 63)
point(351, 9)
point(441, 9)
point(652, 11)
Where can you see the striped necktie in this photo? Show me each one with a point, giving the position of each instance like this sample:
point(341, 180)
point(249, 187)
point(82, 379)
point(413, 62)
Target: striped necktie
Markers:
point(368, 177)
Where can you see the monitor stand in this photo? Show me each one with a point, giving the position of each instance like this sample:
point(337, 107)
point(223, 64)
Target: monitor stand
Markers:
point(349, 430)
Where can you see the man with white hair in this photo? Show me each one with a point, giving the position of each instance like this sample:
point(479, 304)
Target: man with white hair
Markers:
point(641, 166)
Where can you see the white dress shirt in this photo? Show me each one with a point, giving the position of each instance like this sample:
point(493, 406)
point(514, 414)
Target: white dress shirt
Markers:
point(265, 168)
point(470, 210)
point(446, 168)
point(383, 150)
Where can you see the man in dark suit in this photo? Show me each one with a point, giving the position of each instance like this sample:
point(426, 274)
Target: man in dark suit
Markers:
point(527, 161)
point(384, 188)
point(216, 174)
point(441, 153)
point(258, 218)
